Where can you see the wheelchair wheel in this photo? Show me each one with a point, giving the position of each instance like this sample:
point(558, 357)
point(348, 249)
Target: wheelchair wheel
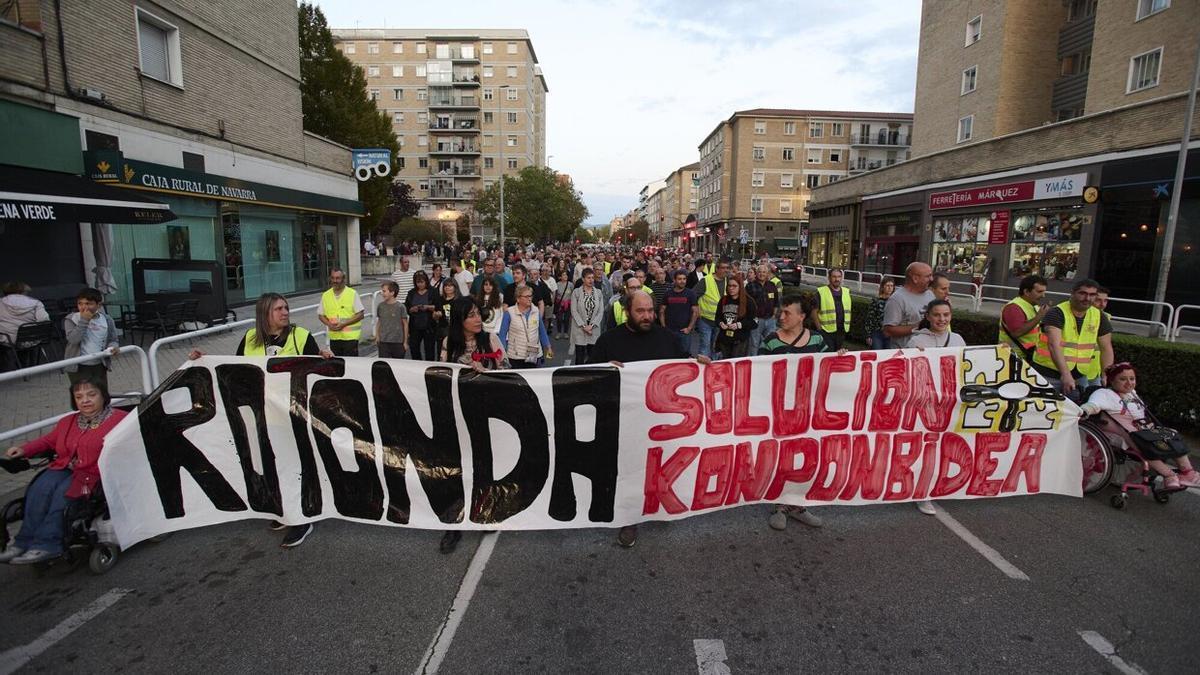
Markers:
point(1117, 502)
point(1162, 497)
point(1097, 457)
point(103, 558)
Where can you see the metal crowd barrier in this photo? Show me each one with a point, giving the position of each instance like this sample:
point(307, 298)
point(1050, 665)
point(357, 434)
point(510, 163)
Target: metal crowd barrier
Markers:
point(55, 366)
point(1176, 327)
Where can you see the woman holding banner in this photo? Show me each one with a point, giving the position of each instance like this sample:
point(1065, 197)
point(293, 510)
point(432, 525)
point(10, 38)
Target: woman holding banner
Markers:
point(467, 344)
point(934, 331)
point(275, 335)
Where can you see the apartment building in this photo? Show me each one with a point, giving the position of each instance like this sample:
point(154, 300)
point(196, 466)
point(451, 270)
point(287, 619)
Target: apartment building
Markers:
point(987, 68)
point(758, 168)
point(467, 106)
point(1071, 178)
point(680, 201)
point(650, 207)
point(168, 101)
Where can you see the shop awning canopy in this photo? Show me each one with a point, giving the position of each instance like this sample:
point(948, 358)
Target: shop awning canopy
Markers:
point(37, 197)
point(787, 244)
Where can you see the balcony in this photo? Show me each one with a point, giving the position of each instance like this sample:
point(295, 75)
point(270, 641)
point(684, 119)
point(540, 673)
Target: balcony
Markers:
point(454, 148)
point(1069, 91)
point(864, 164)
point(466, 79)
point(451, 193)
point(460, 102)
point(455, 125)
point(883, 137)
point(1076, 36)
point(457, 171)
point(464, 55)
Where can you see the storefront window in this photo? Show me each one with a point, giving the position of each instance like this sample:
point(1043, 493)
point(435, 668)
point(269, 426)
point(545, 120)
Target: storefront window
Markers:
point(839, 249)
point(960, 244)
point(1046, 242)
point(816, 249)
point(191, 236)
point(268, 250)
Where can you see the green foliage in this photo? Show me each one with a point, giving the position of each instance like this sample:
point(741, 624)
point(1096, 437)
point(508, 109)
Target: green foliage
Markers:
point(538, 206)
point(584, 236)
point(640, 231)
point(603, 233)
point(400, 205)
point(334, 99)
point(414, 229)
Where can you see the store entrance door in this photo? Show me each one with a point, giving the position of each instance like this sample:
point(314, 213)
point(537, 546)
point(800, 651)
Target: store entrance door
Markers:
point(329, 251)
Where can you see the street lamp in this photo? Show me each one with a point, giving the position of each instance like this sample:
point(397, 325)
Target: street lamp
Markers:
point(500, 122)
point(754, 244)
point(446, 216)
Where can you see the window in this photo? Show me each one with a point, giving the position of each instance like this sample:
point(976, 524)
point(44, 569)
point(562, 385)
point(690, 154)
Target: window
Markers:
point(441, 51)
point(400, 160)
point(158, 49)
point(422, 162)
point(760, 153)
point(1143, 71)
point(488, 71)
point(789, 128)
point(423, 185)
point(1075, 64)
point(398, 117)
point(511, 141)
point(512, 117)
point(193, 161)
point(789, 154)
point(1046, 241)
point(487, 118)
point(785, 180)
point(968, 80)
point(1149, 7)
point(422, 94)
point(814, 156)
point(397, 94)
point(512, 163)
point(372, 71)
point(372, 47)
point(421, 71)
point(400, 140)
point(757, 179)
point(397, 47)
point(467, 51)
point(511, 93)
point(511, 48)
point(756, 205)
point(974, 30)
point(487, 48)
point(835, 156)
point(812, 180)
point(510, 71)
point(1080, 9)
point(420, 47)
point(397, 71)
point(834, 178)
point(489, 163)
point(349, 48)
point(423, 117)
point(964, 128)
point(374, 94)
point(814, 129)
point(785, 206)
point(489, 94)
point(422, 141)
point(488, 141)
point(961, 244)
point(836, 129)
point(760, 126)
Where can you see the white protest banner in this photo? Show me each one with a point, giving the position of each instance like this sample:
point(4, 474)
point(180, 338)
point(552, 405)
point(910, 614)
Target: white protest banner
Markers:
point(440, 446)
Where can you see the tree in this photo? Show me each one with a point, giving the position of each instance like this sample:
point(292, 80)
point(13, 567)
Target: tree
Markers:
point(333, 96)
point(400, 205)
point(639, 231)
point(584, 236)
point(414, 229)
point(538, 206)
point(603, 233)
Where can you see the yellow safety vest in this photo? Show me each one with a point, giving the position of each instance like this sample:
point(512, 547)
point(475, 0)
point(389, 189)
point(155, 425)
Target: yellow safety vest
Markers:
point(711, 298)
point(1029, 341)
point(607, 268)
point(828, 310)
point(1077, 345)
point(618, 313)
point(777, 281)
point(294, 346)
point(709, 268)
point(341, 308)
point(1095, 364)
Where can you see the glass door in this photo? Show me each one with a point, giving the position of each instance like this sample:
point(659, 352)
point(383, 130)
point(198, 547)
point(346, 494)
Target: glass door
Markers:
point(329, 251)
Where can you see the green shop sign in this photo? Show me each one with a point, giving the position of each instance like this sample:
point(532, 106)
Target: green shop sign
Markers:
point(159, 178)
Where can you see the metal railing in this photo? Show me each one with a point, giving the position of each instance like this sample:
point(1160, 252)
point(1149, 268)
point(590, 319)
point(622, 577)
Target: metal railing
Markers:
point(54, 366)
point(1176, 327)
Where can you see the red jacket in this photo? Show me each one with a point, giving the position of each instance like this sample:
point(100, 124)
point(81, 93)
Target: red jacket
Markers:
point(70, 443)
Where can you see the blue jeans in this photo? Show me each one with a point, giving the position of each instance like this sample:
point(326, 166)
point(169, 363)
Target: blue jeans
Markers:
point(879, 341)
point(760, 333)
point(706, 329)
point(1081, 385)
point(685, 340)
point(45, 500)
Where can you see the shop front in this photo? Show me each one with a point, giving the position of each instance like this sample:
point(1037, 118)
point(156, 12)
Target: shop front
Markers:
point(891, 241)
point(265, 238)
point(829, 248)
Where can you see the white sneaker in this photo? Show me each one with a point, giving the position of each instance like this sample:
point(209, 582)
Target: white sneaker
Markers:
point(927, 508)
point(11, 551)
point(806, 517)
point(32, 556)
point(778, 520)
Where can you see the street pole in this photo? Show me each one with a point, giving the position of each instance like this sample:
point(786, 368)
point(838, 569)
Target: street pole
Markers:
point(754, 244)
point(500, 122)
point(1164, 264)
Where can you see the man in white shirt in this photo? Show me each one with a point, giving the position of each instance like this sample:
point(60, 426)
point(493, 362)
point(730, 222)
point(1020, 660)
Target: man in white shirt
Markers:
point(462, 276)
point(403, 278)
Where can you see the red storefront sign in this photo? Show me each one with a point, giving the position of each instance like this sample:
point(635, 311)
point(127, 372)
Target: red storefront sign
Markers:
point(991, 194)
point(999, 232)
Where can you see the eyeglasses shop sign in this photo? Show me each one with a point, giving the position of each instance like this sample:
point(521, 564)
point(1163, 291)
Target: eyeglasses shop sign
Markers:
point(1053, 187)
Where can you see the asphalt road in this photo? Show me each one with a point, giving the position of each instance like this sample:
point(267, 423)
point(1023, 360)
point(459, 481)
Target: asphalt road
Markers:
point(878, 589)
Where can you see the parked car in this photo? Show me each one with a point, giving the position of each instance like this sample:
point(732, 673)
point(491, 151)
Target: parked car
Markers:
point(787, 271)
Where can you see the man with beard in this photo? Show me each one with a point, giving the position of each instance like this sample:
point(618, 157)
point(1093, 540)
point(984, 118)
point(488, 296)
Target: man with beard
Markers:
point(641, 338)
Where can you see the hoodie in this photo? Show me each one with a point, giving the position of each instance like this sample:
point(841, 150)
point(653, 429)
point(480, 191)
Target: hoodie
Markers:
point(17, 309)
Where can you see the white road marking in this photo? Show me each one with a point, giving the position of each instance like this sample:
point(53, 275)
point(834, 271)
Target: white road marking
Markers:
point(441, 641)
point(17, 657)
point(993, 556)
point(1104, 648)
point(710, 657)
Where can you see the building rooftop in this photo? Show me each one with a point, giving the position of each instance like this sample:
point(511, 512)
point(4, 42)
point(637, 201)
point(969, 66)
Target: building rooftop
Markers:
point(434, 34)
point(790, 112)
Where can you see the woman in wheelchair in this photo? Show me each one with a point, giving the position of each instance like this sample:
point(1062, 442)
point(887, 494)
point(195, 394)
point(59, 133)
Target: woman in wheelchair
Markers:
point(1120, 400)
point(73, 473)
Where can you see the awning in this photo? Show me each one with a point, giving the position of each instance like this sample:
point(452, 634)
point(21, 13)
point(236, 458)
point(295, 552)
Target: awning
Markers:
point(34, 196)
point(786, 244)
